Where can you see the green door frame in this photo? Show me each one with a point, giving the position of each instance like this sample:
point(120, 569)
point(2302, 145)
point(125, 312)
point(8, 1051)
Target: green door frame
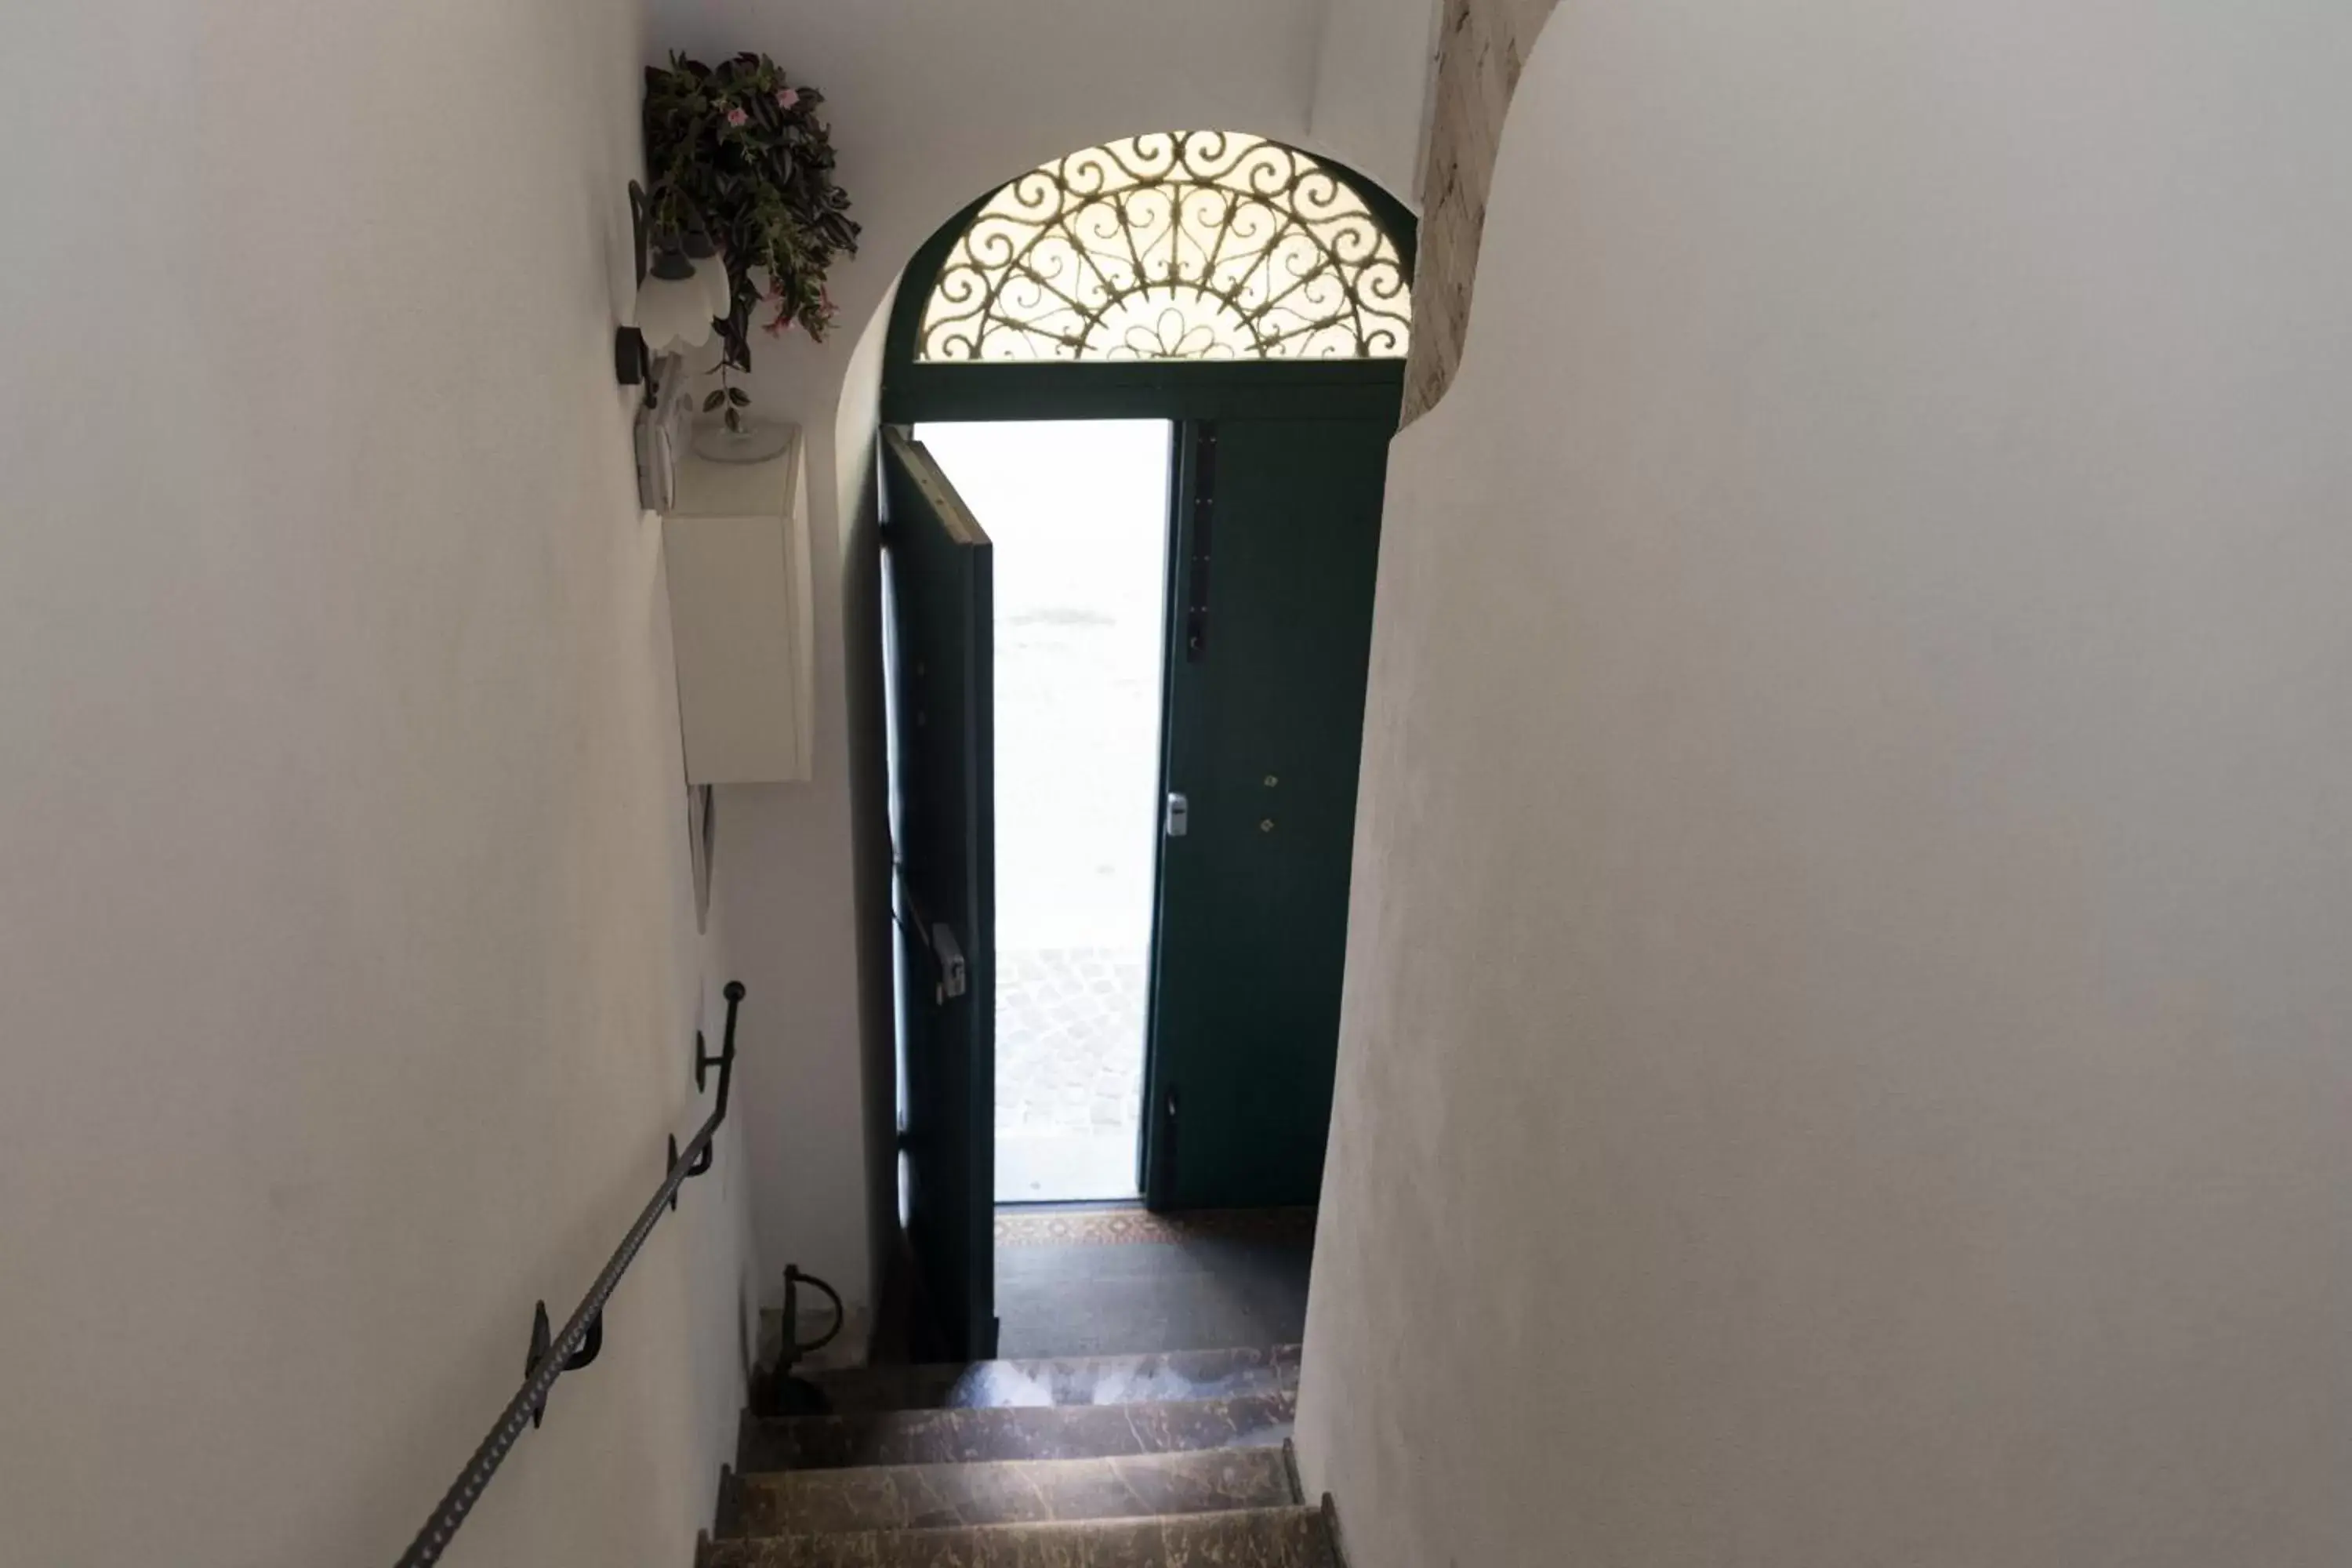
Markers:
point(1182, 392)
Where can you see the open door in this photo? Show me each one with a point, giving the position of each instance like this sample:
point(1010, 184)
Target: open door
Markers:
point(1278, 545)
point(941, 628)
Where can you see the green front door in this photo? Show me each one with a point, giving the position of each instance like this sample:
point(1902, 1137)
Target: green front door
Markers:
point(944, 902)
point(1274, 545)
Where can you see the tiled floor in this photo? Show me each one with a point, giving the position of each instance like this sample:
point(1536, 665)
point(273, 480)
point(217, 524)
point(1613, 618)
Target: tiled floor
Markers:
point(1117, 1282)
point(1070, 1064)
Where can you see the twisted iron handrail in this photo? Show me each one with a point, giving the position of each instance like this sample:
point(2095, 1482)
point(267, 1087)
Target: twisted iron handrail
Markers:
point(558, 1356)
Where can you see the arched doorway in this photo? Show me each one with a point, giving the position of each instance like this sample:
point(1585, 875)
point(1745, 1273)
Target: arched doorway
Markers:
point(1247, 309)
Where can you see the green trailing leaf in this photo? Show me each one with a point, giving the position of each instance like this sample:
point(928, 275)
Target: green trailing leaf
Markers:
point(713, 401)
point(738, 148)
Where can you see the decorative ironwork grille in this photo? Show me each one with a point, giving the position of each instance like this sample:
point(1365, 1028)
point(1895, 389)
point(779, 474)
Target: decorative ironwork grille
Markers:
point(1181, 245)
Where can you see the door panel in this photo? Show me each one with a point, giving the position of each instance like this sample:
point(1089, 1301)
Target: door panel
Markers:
point(942, 631)
point(1277, 543)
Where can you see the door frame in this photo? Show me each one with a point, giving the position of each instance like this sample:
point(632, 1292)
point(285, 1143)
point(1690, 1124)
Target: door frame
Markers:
point(1183, 393)
point(1340, 399)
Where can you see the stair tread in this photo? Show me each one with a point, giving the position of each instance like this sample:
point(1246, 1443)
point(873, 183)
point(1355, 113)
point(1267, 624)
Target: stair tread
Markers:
point(1019, 1432)
point(1064, 1380)
point(1014, 1491)
point(1291, 1537)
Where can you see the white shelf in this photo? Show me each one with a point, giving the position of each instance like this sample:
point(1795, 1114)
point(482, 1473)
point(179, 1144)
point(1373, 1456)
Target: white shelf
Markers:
point(735, 548)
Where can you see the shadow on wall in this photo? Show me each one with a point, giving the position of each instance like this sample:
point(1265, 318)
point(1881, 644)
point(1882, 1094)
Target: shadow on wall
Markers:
point(1483, 46)
point(856, 425)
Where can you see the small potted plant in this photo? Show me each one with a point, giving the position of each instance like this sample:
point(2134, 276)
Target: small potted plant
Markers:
point(739, 162)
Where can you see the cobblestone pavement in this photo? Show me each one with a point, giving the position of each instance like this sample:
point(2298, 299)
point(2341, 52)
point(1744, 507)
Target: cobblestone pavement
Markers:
point(1070, 1064)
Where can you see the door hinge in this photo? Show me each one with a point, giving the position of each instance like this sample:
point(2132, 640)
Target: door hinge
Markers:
point(1178, 820)
point(1163, 1178)
point(1203, 536)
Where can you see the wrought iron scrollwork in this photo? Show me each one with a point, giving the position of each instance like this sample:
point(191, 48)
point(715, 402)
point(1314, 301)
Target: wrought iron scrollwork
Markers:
point(1181, 245)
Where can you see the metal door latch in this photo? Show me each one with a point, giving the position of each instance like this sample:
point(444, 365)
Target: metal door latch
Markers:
point(1180, 815)
point(953, 981)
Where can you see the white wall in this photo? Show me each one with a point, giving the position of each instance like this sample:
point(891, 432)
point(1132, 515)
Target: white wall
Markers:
point(347, 960)
point(1373, 64)
point(931, 106)
point(1845, 1056)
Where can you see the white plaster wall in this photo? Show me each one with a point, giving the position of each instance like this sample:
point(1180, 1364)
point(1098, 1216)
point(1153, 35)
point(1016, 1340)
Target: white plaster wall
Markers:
point(931, 106)
point(1847, 1053)
point(347, 958)
point(1373, 64)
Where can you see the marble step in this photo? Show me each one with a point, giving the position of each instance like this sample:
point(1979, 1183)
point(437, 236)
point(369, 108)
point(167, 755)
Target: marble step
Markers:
point(1013, 1491)
point(1074, 1380)
point(1252, 1538)
point(1034, 1432)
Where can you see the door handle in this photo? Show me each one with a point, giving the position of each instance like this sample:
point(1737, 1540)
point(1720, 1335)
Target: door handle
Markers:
point(938, 939)
point(1179, 821)
point(953, 979)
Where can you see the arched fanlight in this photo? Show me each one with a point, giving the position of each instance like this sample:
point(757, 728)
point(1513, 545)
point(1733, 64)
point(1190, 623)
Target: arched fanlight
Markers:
point(1185, 245)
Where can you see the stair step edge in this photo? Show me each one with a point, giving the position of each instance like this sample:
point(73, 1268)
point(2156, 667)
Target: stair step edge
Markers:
point(1008, 1491)
point(1021, 1432)
point(1159, 1377)
point(1286, 1537)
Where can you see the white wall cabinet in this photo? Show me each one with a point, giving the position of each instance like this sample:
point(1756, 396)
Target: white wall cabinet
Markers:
point(735, 548)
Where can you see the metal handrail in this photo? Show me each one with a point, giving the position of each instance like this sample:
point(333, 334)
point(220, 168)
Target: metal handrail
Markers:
point(575, 1347)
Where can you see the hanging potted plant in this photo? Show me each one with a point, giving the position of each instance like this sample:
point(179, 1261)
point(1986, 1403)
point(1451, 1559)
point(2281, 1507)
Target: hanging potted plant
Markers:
point(741, 166)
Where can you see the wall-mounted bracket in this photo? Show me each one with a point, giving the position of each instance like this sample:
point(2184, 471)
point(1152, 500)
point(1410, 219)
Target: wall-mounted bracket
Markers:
point(697, 1168)
point(542, 1340)
point(631, 364)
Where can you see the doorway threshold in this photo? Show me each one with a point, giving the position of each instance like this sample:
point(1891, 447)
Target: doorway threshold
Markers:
point(1114, 1278)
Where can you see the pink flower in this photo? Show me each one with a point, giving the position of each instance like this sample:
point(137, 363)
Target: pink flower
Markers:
point(786, 97)
point(779, 327)
point(737, 117)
